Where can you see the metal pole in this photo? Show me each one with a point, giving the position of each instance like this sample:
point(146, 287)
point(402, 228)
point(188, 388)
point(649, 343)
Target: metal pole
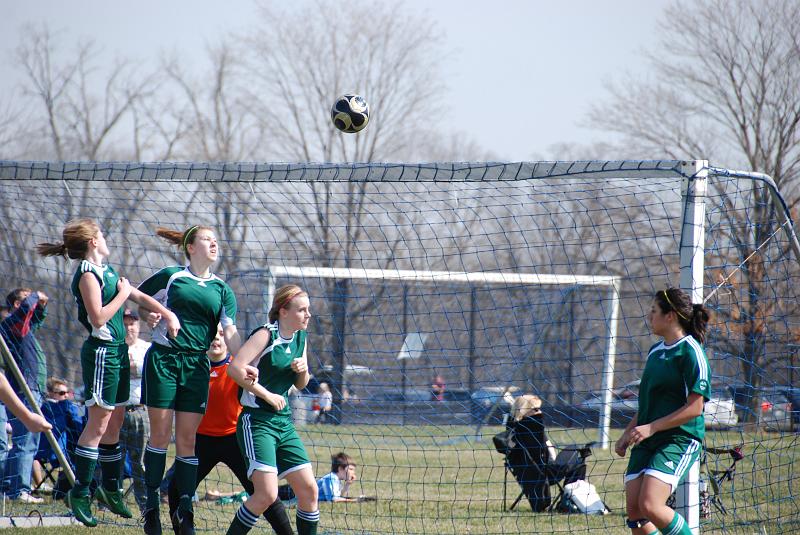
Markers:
point(403, 361)
point(692, 254)
point(12, 365)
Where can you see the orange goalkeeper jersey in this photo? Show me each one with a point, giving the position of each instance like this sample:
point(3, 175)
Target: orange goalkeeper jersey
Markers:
point(223, 408)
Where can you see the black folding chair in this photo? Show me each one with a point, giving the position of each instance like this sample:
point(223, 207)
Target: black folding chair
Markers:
point(568, 467)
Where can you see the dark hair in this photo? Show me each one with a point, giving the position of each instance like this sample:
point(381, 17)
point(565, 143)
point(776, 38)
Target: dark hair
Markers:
point(340, 460)
point(16, 295)
point(182, 238)
point(693, 318)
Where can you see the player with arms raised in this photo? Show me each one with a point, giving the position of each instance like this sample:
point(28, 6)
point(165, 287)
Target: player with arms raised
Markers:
point(100, 294)
point(176, 373)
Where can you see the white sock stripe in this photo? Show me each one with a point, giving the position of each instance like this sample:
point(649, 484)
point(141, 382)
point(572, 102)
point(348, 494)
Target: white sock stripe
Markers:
point(187, 460)
point(155, 450)
point(678, 525)
point(246, 517)
point(310, 517)
point(87, 453)
point(110, 458)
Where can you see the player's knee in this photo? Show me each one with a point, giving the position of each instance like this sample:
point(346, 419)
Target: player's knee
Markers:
point(261, 500)
point(647, 507)
point(185, 442)
point(307, 494)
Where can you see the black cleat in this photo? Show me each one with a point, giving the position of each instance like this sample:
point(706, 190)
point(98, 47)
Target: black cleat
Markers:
point(152, 522)
point(183, 522)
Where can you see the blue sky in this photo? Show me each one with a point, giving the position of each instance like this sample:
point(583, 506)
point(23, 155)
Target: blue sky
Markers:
point(521, 75)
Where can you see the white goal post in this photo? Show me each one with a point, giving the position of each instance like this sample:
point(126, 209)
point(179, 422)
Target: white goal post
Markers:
point(272, 273)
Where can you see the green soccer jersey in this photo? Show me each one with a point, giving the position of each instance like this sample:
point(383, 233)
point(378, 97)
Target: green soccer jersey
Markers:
point(274, 368)
point(113, 330)
point(673, 372)
point(199, 303)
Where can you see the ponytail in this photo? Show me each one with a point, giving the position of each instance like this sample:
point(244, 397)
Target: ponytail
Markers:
point(181, 238)
point(693, 318)
point(699, 324)
point(75, 236)
point(52, 249)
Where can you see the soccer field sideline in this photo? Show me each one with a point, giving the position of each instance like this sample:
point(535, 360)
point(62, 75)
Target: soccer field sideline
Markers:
point(458, 488)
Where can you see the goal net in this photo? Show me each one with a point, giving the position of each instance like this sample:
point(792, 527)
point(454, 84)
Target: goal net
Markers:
point(439, 293)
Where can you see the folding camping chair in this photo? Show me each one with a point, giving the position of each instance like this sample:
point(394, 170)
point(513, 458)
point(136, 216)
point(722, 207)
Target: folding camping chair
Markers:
point(569, 465)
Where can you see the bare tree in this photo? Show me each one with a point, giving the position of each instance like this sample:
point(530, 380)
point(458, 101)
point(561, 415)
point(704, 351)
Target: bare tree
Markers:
point(303, 59)
point(81, 106)
point(300, 61)
point(727, 82)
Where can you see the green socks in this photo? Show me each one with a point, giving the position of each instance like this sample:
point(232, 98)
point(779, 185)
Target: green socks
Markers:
point(307, 522)
point(110, 457)
point(678, 526)
point(85, 462)
point(155, 462)
point(185, 481)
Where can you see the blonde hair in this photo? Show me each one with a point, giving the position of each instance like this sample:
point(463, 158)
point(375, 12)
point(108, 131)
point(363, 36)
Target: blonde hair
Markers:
point(283, 296)
point(526, 405)
point(75, 236)
point(182, 238)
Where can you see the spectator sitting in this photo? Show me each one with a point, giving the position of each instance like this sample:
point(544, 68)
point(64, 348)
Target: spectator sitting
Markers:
point(325, 403)
point(335, 487)
point(66, 420)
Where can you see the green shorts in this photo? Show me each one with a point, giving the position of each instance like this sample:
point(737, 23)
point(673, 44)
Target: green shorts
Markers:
point(106, 372)
point(668, 461)
point(270, 443)
point(173, 380)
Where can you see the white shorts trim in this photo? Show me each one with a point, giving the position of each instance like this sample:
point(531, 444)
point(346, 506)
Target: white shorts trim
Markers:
point(95, 400)
point(261, 467)
point(294, 469)
point(669, 479)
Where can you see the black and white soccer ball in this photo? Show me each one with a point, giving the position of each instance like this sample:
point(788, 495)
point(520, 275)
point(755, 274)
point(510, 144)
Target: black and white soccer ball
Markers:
point(350, 113)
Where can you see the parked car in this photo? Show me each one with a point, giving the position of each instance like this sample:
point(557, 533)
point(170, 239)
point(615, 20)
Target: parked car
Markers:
point(779, 406)
point(720, 410)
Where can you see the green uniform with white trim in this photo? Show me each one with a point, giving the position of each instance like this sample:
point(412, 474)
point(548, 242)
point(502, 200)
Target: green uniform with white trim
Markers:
point(671, 373)
point(177, 369)
point(268, 438)
point(105, 365)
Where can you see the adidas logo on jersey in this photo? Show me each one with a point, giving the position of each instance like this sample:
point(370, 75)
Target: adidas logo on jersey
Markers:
point(214, 374)
point(203, 405)
point(201, 283)
point(670, 465)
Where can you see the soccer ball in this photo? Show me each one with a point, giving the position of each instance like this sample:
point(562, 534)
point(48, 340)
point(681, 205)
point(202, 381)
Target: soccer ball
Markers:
point(350, 113)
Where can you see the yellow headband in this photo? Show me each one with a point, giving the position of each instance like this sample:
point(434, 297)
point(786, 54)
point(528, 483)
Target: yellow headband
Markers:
point(678, 312)
point(186, 236)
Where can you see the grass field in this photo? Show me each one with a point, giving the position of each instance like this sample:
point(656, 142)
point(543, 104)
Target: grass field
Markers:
point(442, 480)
